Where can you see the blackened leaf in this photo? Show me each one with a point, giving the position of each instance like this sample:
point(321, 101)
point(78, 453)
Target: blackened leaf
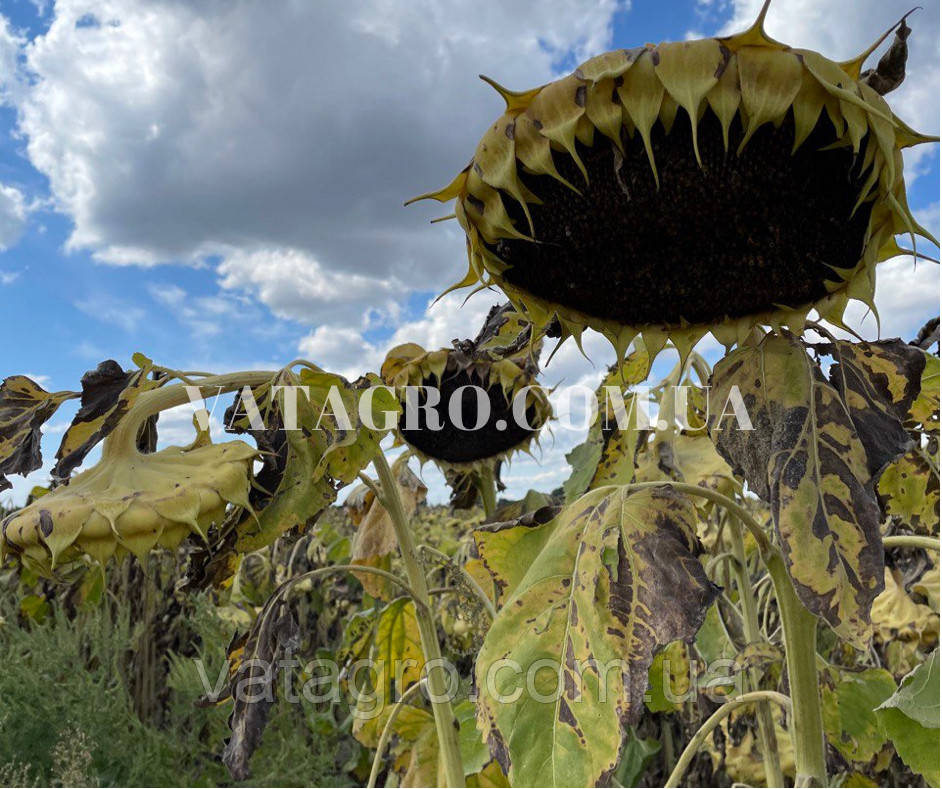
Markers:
point(107, 394)
point(878, 382)
point(805, 458)
point(254, 678)
point(24, 407)
point(590, 595)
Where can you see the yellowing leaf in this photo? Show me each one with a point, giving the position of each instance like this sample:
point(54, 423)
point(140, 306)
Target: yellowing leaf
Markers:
point(612, 578)
point(24, 407)
point(805, 457)
point(375, 538)
point(909, 488)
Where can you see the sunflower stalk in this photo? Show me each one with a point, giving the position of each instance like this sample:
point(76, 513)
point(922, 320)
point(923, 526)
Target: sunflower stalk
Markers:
point(799, 632)
point(445, 724)
point(750, 616)
point(488, 490)
point(124, 437)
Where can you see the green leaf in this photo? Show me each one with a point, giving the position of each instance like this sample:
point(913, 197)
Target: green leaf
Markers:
point(878, 382)
point(805, 457)
point(507, 552)
point(917, 746)
point(610, 579)
point(910, 717)
point(850, 721)
point(918, 693)
point(24, 407)
point(636, 756)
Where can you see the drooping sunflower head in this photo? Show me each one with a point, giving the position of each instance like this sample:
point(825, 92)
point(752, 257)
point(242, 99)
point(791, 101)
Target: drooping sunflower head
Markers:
point(131, 503)
point(695, 186)
point(475, 403)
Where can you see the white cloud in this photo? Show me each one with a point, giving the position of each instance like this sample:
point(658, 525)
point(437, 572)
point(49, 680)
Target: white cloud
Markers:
point(13, 212)
point(113, 311)
point(291, 131)
point(295, 285)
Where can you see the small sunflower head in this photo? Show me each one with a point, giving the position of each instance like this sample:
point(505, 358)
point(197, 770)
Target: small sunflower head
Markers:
point(695, 186)
point(131, 502)
point(475, 403)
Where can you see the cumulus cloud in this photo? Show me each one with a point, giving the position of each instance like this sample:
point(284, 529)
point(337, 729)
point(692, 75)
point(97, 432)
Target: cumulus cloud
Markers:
point(172, 130)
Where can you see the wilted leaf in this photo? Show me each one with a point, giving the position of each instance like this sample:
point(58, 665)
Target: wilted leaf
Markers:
point(897, 617)
point(253, 679)
point(850, 722)
point(375, 538)
point(610, 579)
point(878, 382)
point(804, 457)
point(107, 394)
point(24, 407)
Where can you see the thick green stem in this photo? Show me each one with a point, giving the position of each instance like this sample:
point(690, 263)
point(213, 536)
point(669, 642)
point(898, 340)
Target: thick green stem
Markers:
point(445, 724)
point(750, 615)
point(123, 438)
point(799, 628)
point(488, 491)
point(712, 722)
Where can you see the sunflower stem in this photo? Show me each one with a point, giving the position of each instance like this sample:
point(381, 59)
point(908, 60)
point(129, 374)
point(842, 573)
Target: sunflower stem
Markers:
point(488, 491)
point(911, 541)
point(446, 726)
point(683, 762)
point(750, 615)
point(124, 437)
point(799, 631)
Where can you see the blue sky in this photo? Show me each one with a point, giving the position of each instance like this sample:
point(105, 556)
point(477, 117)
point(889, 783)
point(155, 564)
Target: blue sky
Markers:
point(219, 185)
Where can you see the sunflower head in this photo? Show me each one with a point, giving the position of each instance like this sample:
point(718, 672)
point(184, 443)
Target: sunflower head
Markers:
point(474, 403)
point(131, 502)
point(696, 186)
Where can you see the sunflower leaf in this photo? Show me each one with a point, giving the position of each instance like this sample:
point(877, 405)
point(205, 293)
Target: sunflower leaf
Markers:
point(609, 580)
point(805, 457)
point(24, 407)
point(107, 394)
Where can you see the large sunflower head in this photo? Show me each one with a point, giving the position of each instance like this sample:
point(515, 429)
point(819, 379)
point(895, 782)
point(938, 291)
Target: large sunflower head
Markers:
point(131, 502)
point(475, 403)
point(695, 186)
